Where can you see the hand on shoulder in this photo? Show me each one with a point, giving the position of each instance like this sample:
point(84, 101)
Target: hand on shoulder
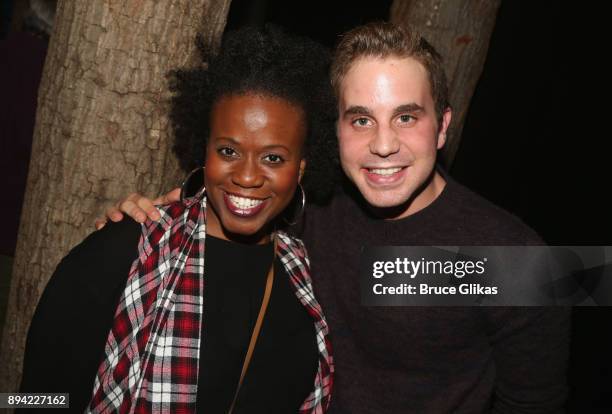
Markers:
point(138, 207)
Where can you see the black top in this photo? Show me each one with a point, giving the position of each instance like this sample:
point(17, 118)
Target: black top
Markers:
point(282, 371)
point(66, 340)
point(432, 359)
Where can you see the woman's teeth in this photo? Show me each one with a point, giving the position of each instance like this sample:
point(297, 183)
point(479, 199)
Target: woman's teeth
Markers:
point(244, 203)
point(384, 171)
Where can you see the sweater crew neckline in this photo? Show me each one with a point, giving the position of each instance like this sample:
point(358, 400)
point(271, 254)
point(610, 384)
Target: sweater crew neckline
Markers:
point(419, 222)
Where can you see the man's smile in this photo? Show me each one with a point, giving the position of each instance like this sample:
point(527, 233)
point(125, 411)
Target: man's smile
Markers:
point(384, 176)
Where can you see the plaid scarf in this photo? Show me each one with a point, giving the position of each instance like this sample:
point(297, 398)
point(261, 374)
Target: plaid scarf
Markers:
point(152, 352)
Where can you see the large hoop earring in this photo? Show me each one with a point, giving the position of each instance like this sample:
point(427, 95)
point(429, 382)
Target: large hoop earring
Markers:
point(187, 184)
point(302, 207)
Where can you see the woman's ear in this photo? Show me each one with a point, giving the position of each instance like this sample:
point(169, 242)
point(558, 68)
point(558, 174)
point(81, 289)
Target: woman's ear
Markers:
point(302, 168)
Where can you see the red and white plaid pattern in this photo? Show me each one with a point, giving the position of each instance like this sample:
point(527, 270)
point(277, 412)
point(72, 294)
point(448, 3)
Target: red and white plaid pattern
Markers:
point(295, 259)
point(152, 352)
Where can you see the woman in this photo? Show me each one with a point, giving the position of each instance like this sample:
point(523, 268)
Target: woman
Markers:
point(211, 309)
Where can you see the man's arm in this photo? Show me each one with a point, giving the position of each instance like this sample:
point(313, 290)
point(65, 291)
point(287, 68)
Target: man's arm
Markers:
point(531, 353)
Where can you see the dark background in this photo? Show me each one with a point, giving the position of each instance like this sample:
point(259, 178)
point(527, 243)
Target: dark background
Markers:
point(526, 145)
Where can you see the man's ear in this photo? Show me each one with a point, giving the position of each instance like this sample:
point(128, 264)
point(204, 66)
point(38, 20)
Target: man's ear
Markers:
point(302, 168)
point(446, 119)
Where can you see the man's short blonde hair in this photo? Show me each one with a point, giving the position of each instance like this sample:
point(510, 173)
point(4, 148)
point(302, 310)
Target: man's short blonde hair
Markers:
point(382, 40)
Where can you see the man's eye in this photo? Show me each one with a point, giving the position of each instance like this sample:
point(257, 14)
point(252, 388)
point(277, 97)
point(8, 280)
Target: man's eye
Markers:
point(405, 118)
point(227, 152)
point(273, 158)
point(362, 122)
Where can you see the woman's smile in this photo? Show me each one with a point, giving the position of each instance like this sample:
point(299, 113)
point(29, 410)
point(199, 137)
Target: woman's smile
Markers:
point(253, 164)
point(244, 206)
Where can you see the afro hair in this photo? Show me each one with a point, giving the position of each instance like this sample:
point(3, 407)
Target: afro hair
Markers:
point(264, 61)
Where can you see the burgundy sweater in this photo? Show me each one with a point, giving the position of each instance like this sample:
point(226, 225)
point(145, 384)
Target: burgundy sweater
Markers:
point(432, 359)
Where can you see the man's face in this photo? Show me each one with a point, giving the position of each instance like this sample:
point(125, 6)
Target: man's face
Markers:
point(388, 134)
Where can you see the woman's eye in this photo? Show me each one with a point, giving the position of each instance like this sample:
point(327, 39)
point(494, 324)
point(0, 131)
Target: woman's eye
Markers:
point(273, 158)
point(227, 151)
point(362, 122)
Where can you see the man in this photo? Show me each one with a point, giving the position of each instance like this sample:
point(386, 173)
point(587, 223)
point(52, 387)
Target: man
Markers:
point(393, 115)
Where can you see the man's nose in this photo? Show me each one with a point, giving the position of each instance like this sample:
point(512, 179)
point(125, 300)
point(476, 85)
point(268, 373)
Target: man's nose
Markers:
point(385, 142)
point(248, 174)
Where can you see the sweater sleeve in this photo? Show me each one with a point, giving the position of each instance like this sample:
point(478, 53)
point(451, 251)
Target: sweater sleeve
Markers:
point(68, 332)
point(531, 352)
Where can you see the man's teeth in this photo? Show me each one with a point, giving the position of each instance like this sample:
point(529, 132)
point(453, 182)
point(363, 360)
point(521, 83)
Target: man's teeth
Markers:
point(244, 203)
point(385, 171)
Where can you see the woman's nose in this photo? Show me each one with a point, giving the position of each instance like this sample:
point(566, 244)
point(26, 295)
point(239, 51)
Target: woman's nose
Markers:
point(248, 174)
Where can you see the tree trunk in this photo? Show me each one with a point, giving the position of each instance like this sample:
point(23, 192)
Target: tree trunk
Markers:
point(460, 31)
point(101, 130)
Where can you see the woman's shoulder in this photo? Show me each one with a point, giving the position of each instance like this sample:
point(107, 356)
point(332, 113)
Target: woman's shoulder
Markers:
point(125, 233)
point(100, 264)
point(114, 242)
point(74, 314)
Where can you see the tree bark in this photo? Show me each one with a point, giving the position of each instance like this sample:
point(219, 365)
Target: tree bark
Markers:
point(460, 31)
point(101, 129)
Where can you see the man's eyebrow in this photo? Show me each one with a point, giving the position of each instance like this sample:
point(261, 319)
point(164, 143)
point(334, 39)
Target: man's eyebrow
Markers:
point(362, 110)
point(357, 110)
point(411, 107)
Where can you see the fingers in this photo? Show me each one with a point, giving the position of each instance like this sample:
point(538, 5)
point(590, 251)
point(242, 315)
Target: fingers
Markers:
point(139, 208)
point(100, 222)
point(170, 197)
point(112, 213)
point(174, 195)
